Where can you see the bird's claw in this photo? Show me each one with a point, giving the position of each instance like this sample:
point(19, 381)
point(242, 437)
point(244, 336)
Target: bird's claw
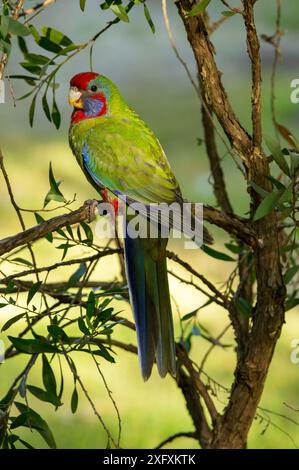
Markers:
point(92, 206)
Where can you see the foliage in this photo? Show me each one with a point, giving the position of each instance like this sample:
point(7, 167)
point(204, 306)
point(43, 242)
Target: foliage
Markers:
point(80, 315)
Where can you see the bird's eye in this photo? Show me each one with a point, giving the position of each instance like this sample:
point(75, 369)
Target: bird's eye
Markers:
point(94, 88)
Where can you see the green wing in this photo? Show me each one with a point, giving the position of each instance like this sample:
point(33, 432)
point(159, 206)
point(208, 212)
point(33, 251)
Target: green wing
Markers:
point(123, 154)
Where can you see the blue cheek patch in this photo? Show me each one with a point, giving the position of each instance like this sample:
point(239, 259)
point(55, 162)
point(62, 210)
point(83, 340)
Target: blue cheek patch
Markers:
point(92, 107)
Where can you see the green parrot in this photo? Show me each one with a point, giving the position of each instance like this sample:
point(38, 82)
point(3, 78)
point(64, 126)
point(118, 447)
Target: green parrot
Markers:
point(118, 152)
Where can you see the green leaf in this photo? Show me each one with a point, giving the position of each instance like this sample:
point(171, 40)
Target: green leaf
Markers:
point(101, 352)
point(290, 273)
point(190, 315)
point(199, 7)
point(44, 395)
point(5, 46)
point(22, 45)
point(26, 444)
point(291, 303)
point(10, 287)
point(54, 193)
point(74, 401)
point(82, 326)
point(228, 13)
point(82, 4)
point(148, 18)
point(39, 219)
point(35, 421)
point(22, 261)
point(17, 28)
point(33, 290)
point(56, 37)
point(294, 158)
point(120, 12)
point(58, 333)
point(34, 33)
point(49, 380)
point(37, 59)
point(278, 184)
point(77, 275)
point(70, 231)
point(31, 111)
point(35, 69)
point(274, 147)
point(267, 205)
point(88, 232)
point(46, 107)
point(287, 195)
point(216, 254)
point(28, 78)
point(53, 183)
point(261, 191)
point(56, 117)
point(31, 346)
point(91, 304)
point(48, 45)
point(233, 248)
point(4, 26)
point(19, 420)
point(12, 320)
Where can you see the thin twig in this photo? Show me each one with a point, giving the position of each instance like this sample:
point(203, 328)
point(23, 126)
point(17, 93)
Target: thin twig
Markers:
point(191, 435)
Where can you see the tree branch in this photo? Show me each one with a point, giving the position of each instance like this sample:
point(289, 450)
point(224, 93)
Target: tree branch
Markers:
point(84, 213)
point(15, 15)
point(233, 224)
point(210, 80)
point(214, 159)
point(253, 46)
point(191, 435)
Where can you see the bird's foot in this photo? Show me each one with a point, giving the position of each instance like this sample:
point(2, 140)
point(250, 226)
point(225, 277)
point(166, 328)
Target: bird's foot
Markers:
point(92, 206)
point(110, 200)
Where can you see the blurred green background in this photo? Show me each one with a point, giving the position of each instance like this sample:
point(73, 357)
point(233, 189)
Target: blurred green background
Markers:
point(154, 83)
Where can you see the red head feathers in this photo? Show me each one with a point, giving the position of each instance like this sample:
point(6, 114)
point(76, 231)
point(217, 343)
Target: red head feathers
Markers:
point(81, 80)
point(87, 97)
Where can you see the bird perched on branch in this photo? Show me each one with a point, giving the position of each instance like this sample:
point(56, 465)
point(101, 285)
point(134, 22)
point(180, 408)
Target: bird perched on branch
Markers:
point(118, 152)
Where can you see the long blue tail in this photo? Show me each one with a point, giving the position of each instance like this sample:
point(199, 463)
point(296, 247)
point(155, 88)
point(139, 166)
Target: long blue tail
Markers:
point(150, 299)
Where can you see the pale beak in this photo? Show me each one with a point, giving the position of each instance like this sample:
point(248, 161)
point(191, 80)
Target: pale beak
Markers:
point(75, 98)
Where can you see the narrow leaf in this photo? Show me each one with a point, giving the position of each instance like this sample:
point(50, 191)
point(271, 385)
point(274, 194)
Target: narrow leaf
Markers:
point(149, 18)
point(35, 421)
point(31, 111)
point(267, 205)
point(49, 380)
point(120, 12)
point(17, 28)
point(31, 346)
point(12, 320)
point(56, 117)
point(33, 290)
point(216, 254)
point(82, 4)
point(274, 147)
point(199, 7)
point(56, 36)
point(74, 401)
point(44, 395)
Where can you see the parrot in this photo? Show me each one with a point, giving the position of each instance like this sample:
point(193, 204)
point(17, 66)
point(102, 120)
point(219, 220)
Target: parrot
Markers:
point(121, 157)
